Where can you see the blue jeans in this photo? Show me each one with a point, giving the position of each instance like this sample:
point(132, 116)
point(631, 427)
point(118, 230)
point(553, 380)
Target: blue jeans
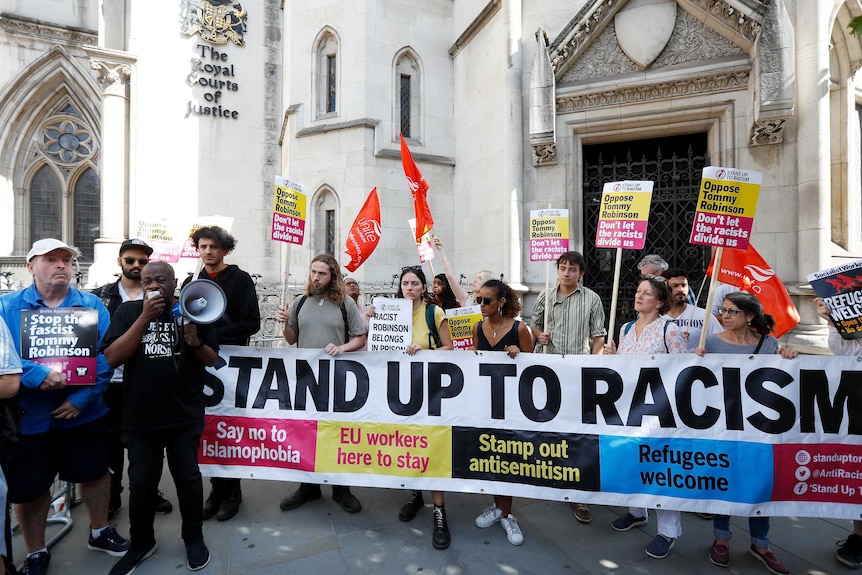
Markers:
point(757, 526)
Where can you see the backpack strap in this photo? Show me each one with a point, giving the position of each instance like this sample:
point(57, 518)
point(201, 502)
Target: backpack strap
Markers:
point(432, 326)
point(299, 305)
point(346, 325)
point(629, 325)
point(759, 344)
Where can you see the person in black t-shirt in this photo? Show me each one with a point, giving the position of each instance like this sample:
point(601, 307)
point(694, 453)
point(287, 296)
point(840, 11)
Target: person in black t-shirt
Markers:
point(163, 410)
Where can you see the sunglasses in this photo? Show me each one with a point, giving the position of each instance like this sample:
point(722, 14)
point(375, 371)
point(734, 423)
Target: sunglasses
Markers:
point(659, 279)
point(484, 300)
point(406, 269)
point(141, 261)
point(727, 310)
point(350, 283)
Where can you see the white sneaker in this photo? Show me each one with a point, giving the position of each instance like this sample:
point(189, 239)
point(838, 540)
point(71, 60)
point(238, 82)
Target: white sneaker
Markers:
point(489, 516)
point(513, 532)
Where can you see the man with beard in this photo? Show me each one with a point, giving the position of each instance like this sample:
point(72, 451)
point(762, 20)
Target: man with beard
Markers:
point(134, 255)
point(687, 316)
point(240, 321)
point(317, 320)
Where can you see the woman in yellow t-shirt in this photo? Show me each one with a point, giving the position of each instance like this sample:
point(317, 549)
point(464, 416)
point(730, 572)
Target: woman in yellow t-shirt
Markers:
point(413, 286)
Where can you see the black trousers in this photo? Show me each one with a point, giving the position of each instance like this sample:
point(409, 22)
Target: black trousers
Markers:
point(113, 398)
point(146, 455)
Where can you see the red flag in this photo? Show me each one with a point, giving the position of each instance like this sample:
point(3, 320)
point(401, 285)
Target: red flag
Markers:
point(747, 270)
point(365, 232)
point(419, 189)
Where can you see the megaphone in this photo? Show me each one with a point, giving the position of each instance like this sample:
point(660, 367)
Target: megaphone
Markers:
point(201, 301)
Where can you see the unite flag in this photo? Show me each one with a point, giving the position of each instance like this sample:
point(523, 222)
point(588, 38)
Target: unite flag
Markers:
point(747, 270)
point(365, 232)
point(419, 189)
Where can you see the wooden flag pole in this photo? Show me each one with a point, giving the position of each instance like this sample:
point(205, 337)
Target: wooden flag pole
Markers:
point(286, 274)
point(614, 294)
point(547, 297)
point(713, 283)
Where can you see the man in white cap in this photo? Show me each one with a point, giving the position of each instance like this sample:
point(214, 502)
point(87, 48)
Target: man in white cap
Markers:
point(64, 427)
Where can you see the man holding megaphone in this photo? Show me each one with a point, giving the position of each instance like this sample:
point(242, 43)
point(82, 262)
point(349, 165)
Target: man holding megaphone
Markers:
point(163, 410)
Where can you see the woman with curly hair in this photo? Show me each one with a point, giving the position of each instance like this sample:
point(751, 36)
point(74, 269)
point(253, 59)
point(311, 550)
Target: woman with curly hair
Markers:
point(443, 294)
point(500, 331)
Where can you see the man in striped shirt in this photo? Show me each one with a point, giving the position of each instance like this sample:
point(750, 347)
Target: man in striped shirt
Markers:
point(575, 324)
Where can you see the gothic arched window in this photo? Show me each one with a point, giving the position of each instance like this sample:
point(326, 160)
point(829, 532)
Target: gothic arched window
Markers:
point(407, 94)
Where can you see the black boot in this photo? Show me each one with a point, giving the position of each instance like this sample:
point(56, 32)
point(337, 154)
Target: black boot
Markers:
point(412, 507)
point(347, 500)
point(230, 504)
point(213, 502)
point(441, 537)
point(306, 492)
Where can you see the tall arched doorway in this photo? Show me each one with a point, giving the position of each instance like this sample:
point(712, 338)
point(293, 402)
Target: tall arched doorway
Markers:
point(674, 164)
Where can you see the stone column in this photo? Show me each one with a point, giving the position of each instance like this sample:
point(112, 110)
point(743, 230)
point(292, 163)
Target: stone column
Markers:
point(114, 69)
point(514, 149)
point(813, 195)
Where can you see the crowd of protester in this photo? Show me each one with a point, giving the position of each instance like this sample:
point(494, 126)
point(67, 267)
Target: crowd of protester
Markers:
point(147, 402)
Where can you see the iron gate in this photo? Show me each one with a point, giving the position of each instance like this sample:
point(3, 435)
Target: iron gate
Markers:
point(675, 165)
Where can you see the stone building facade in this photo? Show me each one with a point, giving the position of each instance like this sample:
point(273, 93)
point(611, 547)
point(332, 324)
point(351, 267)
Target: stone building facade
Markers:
point(113, 113)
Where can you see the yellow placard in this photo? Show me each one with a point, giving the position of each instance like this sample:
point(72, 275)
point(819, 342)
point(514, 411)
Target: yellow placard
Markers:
point(729, 198)
point(289, 202)
point(549, 227)
point(384, 449)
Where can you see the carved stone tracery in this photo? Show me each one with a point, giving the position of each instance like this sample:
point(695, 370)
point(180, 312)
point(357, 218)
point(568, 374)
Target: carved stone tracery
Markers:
point(544, 154)
point(707, 83)
point(768, 132)
point(594, 17)
point(691, 41)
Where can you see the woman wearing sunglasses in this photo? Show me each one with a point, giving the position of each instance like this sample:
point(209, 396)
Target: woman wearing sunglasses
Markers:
point(746, 331)
point(651, 334)
point(412, 286)
point(500, 331)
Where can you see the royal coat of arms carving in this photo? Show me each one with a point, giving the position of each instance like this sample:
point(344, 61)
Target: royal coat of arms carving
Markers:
point(217, 21)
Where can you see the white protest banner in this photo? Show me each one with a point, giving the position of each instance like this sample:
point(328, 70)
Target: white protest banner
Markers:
point(461, 322)
point(731, 434)
point(549, 234)
point(64, 339)
point(424, 247)
point(391, 328)
point(289, 212)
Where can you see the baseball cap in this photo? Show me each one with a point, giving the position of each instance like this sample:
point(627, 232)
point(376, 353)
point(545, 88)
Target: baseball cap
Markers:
point(137, 244)
point(42, 247)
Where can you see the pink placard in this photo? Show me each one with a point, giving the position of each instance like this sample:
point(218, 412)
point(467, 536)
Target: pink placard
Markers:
point(288, 229)
point(259, 442)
